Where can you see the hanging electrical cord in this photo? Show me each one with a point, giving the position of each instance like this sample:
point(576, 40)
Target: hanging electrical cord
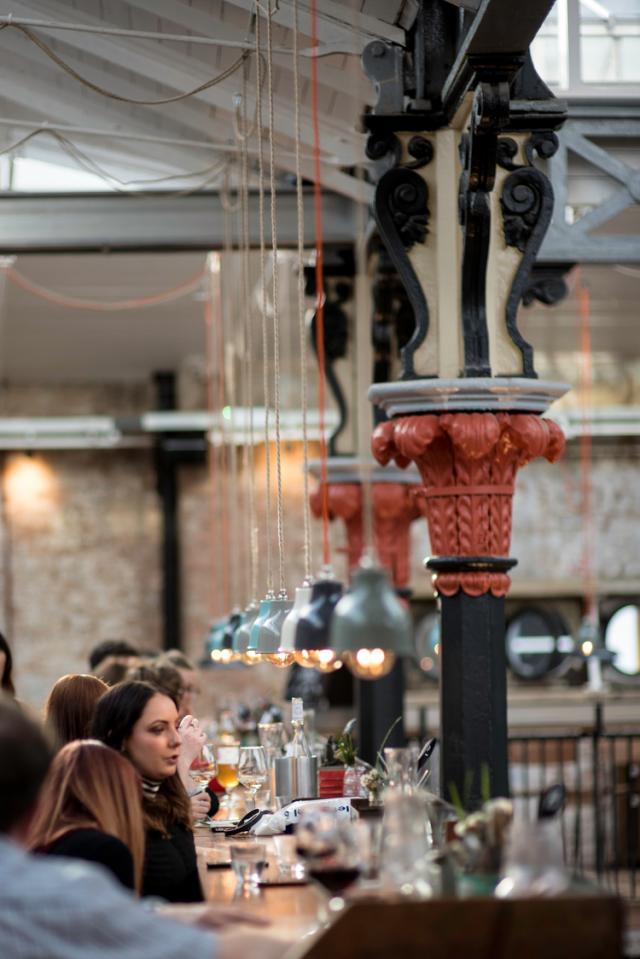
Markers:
point(263, 304)
point(215, 445)
point(302, 333)
point(74, 303)
point(53, 56)
point(242, 141)
point(276, 310)
point(222, 470)
point(92, 166)
point(320, 350)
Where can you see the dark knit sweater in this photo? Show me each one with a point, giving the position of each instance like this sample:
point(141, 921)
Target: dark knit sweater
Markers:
point(170, 866)
point(95, 846)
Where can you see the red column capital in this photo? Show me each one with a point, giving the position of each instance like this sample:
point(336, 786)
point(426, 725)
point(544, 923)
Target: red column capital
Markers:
point(468, 464)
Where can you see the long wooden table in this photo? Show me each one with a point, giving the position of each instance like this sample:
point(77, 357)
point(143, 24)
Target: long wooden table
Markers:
point(586, 926)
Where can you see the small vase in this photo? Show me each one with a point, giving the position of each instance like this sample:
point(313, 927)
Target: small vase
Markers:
point(352, 785)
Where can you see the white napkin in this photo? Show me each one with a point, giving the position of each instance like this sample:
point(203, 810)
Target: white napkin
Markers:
point(288, 815)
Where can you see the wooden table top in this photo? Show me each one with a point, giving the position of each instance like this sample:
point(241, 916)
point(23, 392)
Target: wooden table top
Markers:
point(297, 910)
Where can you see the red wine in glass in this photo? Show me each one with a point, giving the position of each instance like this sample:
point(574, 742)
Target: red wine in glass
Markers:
point(335, 879)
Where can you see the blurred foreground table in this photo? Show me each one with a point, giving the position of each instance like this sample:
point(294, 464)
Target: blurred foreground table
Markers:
point(585, 926)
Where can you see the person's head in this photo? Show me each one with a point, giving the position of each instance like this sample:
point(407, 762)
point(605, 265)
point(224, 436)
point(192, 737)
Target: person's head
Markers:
point(141, 721)
point(116, 649)
point(91, 786)
point(25, 756)
point(165, 677)
point(188, 675)
point(69, 709)
point(112, 671)
point(6, 666)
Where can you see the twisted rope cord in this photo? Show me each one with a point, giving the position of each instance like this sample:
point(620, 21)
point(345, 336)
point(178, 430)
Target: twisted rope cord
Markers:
point(263, 304)
point(304, 354)
point(248, 346)
point(276, 306)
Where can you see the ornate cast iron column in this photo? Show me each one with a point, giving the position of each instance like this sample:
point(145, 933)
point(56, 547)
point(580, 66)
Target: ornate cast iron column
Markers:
point(462, 206)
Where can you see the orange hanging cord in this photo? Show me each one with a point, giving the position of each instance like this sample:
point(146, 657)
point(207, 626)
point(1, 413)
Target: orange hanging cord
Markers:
point(586, 481)
point(320, 350)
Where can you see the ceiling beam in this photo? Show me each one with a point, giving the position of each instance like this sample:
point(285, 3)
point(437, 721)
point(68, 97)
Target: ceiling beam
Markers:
point(179, 72)
point(208, 25)
point(97, 222)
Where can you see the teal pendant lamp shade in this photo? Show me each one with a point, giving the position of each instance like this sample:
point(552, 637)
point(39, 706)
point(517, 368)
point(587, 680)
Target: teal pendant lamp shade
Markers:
point(228, 654)
point(312, 645)
point(214, 640)
point(264, 611)
point(370, 626)
point(270, 645)
point(243, 632)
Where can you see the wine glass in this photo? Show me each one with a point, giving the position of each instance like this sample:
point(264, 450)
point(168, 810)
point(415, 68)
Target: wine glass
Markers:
point(203, 768)
point(329, 849)
point(227, 758)
point(252, 770)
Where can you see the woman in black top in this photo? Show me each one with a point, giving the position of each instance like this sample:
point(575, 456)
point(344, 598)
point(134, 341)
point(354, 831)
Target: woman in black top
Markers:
point(90, 809)
point(141, 721)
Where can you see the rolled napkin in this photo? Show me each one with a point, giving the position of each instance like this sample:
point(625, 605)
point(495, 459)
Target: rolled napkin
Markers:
point(277, 822)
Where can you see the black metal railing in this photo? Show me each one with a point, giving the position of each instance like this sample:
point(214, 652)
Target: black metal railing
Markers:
point(601, 821)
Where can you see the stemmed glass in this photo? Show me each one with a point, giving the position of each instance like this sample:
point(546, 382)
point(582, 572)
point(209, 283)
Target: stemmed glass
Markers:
point(202, 771)
point(252, 770)
point(228, 771)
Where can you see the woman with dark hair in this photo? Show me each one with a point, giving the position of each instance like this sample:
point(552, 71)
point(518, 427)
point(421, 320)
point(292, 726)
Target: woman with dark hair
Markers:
point(141, 721)
point(6, 665)
point(68, 712)
point(90, 808)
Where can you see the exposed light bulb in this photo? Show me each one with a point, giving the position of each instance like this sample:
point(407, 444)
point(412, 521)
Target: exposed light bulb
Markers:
point(281, 658)
point(227, 656)
point(251, 657)
point(324, 660)
point(302, 658)
point(215, 655)
point(587, 647)
point(369, 663)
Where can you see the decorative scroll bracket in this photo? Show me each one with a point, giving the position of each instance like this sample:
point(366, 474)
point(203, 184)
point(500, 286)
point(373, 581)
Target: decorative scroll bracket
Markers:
point(527, 208)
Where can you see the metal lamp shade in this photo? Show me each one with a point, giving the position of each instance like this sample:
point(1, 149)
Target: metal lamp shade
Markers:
point(243, 632)
point(230, 630)
point(288, 635)
point(312, 631)
point(269, 637)
point(370, 616)
point(214, 640)
point(264, 611)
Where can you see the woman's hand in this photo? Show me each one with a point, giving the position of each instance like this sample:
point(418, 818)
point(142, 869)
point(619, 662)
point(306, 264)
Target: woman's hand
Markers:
point(200, 805)
point(193, 739)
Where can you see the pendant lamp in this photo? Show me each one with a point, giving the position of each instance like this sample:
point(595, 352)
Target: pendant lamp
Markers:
point(270, 646)
point(264, 611)
point(243, 632)
point(370, 626)
point(214, 640)
point(227, 652)
point(302, 597)
point(312, 646)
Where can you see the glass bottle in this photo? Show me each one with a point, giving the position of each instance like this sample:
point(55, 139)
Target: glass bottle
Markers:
point(299, 745)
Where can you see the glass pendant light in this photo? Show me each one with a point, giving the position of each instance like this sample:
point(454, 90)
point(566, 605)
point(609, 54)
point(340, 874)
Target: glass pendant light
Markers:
point(370, 626)
point(270, 645)
point(312, 646)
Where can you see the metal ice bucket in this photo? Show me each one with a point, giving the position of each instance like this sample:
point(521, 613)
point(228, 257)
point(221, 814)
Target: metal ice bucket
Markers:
point(296, 778)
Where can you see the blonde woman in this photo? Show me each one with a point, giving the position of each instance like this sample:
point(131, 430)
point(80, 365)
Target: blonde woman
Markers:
point(90, 808)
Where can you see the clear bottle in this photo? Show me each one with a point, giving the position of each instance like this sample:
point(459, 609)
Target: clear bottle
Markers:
point(299, 745)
